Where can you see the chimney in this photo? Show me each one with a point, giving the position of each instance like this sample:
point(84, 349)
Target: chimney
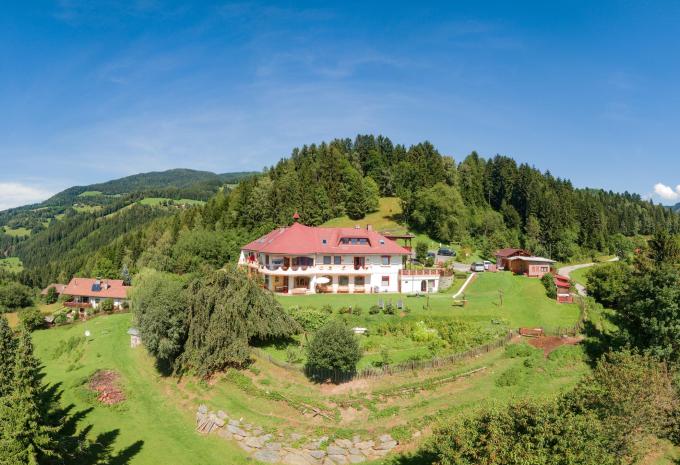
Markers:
point(369, 227)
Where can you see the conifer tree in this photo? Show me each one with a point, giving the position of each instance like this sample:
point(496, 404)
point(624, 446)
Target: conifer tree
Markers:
point(7, 350)
point(26, 436)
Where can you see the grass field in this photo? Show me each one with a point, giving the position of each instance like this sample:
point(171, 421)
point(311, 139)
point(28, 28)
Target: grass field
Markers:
point(524, 304)
point(18, 232)
point(11, 264)
point(155, 201)
point(90, 194)
point(155, 424)
point(87, 208)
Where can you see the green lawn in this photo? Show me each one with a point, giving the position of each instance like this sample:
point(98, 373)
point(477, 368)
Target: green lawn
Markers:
point(524, 304)
point(579, 275)
point(155, 201)
point(154, 412)
point(18, 232)
point(11, 264)
point(87, 208)
point(90, 194)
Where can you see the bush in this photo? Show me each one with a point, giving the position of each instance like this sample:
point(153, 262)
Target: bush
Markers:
point(389, 309)
point(549, 283)
point(31, 318)
point(51, 296)
point(14, 295)
point(421, 333)
point(294, 354)
point(374, 310)
point(310, 318)
point(520, 350)
point(334, 348)
point(107, 305)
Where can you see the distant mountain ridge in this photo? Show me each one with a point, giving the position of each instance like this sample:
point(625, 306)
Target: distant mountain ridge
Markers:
point(179, 178)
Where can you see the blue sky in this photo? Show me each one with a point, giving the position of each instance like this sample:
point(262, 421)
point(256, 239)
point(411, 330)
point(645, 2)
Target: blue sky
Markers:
point(93, 90)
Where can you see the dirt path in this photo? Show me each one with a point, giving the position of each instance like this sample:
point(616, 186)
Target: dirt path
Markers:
point(566, 270)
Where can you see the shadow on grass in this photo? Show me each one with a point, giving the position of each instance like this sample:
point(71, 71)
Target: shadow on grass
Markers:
point(76, 445)
point(415, 458)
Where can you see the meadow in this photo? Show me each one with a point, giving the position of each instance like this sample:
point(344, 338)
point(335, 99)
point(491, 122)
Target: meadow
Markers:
point(481, 320)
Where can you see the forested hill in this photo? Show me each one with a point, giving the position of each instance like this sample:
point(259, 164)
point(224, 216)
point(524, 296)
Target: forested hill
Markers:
point(483, 203)
point(191, 183)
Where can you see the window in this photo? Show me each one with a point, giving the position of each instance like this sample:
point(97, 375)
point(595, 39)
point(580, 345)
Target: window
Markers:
point(337, 260)
point(354, 241)
point(385, 281)
point(327, 260)
point(385, 259)
point(303, 261)
point(359, 281)
point(324, 241)
point(343, 280)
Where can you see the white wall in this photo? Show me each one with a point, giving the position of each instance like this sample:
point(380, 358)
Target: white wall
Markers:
point(412, 284)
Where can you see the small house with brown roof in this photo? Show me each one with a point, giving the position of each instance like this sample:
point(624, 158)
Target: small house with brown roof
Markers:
point(533, 267)
point(89, 293)
point(59, 288)
point(503, 255)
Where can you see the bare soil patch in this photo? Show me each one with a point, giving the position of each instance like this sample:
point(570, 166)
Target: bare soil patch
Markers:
point(106, 383)
point(550, 343)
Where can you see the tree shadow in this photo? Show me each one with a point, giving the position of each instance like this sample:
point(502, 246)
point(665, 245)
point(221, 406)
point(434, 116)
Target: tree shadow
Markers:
point(76, 445)
point(420, 457)
point(599, 342)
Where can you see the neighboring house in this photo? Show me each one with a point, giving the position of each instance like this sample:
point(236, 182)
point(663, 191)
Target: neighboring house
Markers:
point(503, 255)
point(57, 287)
point(301, 259)
point(563, 289)
point(89, 293)
point(534, 267)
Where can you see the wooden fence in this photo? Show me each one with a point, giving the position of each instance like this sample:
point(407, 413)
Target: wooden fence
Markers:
point(376, 372)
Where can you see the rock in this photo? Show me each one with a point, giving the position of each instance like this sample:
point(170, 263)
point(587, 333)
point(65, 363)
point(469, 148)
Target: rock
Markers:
point(247, 427)
point(295, 437)
point(323, 439)
point(234, 423)
point(327, 461)
point(356, 439)
point(295, 458)
point(222, 415)
point(389, 445)
point(312, 445)
point(364, 445)
point(338, 459)
point(245, 447)
point(219, 422)
point(203, 409)
point(354, 451)
point(267, 456)
point(317, 454)
point(380, 452)
point(257, 432)
point(417, 434)
point(355, 458)
point(276, 446)
point(266, 437)
point(255, 443)
point(344, 443)
point(335, 450)
point(225, 434)
point(385, 438)
point(239, 437)
point(236, 430)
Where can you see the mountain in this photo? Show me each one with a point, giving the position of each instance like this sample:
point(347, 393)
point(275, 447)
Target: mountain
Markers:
point(171, 185)
point(177, 179)
point(676, 207)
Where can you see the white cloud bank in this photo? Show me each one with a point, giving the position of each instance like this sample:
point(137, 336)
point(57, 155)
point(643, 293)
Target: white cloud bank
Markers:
point(667, 192)
point(14, 194)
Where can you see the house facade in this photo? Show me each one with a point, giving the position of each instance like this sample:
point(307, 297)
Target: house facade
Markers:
point(503, 255)
point(90, 293)
point(534, 267)
point(300, 259)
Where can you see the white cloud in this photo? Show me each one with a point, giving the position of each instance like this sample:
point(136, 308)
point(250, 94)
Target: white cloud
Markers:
point(14, 194)
point(667, 192)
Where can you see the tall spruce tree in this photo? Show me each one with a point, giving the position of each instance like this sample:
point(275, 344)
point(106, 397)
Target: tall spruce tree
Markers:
point(7, 351)
point(26, 437)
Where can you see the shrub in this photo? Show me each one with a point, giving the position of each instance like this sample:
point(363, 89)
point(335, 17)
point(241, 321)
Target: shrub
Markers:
point(51, 296)
point(520, 350)
point(309, 318)
point(107, 305)
point(549, 283)
point(374, 310)
point(334, 348)
point(14, 295)
point(294, 354)
point(327, 309)
point(421, 333)
point(511, 377)
point(389, 309)
point(31, 318)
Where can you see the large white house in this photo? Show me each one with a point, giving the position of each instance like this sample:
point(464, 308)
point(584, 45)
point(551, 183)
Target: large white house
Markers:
point(300, 259)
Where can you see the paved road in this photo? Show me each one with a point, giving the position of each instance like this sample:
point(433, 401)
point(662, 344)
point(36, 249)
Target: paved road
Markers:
point(566, 270)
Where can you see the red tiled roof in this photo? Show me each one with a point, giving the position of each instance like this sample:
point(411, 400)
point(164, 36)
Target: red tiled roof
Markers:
point(58, 287)
point(110, 288)
point(509, 252)
point(300, 239)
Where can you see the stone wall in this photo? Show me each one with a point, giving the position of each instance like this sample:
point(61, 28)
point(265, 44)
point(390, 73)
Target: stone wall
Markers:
point(292, 448)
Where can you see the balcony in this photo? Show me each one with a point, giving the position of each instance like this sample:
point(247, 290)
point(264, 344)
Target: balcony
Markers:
point(422, 272)
point(311, 270)
point(77, 304)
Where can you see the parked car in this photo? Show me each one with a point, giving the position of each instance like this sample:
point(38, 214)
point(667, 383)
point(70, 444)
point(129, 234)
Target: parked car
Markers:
point(446, 252)
point(432, 255)
point(487, 264)
point(478, 267)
